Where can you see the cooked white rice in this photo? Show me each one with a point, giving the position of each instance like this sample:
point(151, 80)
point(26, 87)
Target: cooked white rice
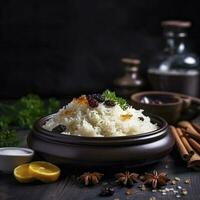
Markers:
point(82, 120)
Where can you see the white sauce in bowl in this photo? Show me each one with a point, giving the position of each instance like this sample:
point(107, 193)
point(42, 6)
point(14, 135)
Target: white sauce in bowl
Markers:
point(11, 157)
point(15, 151)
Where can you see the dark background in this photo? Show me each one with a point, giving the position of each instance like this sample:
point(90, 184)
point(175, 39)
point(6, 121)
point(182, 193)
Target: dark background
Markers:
point(65, 47)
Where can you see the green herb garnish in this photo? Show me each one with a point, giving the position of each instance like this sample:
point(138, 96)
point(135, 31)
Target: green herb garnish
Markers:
point(28, 109)
point(31, 107)
point(6, 115)
point(23, 114)
point(108, 95)
point(8, 138)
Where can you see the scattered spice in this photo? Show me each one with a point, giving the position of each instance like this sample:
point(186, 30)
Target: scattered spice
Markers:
point(152, 198)
point(142, 187)
point(184, 192)
point(107, 191)
point(177, 179)
point(59, 129)
point(90, 178)
point(156, 179)
point(129, 191)
point(125, 117)
point(141, 178)
point(178, 191)
point(127, 178)
point(173, 182)
point(179, 187)
point(187, 181)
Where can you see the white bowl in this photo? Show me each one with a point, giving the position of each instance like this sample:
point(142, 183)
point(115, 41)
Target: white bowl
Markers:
point(11, 157)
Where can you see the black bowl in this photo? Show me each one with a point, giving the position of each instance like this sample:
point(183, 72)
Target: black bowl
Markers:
point(127, 151)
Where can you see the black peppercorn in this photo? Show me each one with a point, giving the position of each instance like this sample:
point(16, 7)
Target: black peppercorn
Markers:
point(109, 103)
point(107, 191)
point(59, 129)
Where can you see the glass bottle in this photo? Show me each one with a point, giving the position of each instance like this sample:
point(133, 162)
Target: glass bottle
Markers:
point(176, 68)
point(130, 82)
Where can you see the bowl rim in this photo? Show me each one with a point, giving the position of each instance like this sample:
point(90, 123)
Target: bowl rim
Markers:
point(48, 135)
point(135, 98)
point(30, 152)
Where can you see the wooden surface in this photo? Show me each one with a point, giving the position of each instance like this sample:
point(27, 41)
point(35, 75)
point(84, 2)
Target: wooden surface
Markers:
point(67, 188)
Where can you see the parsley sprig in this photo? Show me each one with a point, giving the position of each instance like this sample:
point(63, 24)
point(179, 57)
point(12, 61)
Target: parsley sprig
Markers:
point(23, 113)
point(8, 138)
point(108, 95)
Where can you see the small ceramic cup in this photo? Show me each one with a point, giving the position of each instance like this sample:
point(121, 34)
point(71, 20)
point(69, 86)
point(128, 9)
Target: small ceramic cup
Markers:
point(11, 157)
point(165, 104)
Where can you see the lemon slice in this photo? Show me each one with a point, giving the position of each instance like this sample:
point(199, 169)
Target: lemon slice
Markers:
point(22, 174)
point(44, 171)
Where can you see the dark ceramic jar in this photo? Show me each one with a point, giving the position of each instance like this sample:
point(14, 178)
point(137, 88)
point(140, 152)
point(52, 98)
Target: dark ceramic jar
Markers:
point(130, 82)
point(136, 150)
point(176, 68)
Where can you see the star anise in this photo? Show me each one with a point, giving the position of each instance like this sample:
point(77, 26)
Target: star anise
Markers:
point(90, 178)
point(155, 179)
point(127, 178)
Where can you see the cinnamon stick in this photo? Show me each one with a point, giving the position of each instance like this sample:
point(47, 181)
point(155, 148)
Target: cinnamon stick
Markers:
point(191, 134)
point(185, 142)
point(189, 129)
point(194, 144)
point(197, 127)
point(194, 162)
point(182, 150)
point(187, 126)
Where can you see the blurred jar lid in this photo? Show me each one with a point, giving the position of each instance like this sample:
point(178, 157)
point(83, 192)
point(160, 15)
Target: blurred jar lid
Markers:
point(130, 61)
point(176, 23)
point(132, 64)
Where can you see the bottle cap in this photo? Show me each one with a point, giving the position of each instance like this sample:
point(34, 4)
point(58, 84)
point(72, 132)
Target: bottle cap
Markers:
point(130, 61)
point(176, 23)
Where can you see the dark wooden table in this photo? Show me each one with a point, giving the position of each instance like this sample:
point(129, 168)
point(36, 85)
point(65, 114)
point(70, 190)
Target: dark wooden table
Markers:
point(67, 187)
